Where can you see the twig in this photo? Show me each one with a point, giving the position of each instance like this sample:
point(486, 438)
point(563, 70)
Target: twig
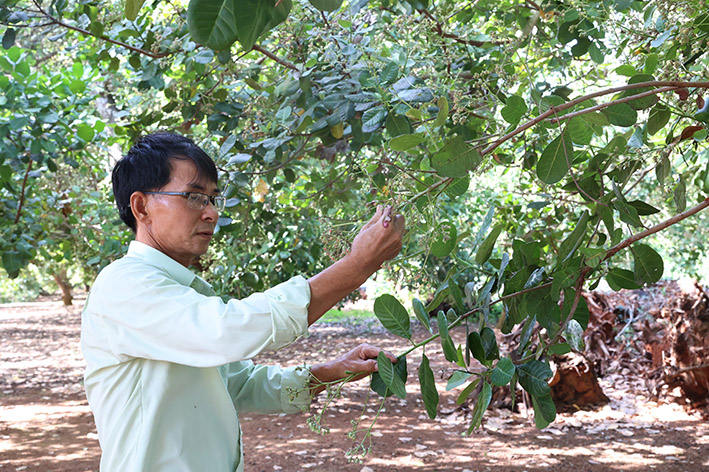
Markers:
point(268, 53)
point(58, 22)
point(684, 371)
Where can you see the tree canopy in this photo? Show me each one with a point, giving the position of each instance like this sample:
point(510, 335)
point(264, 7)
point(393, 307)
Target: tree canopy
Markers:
point(532, 147)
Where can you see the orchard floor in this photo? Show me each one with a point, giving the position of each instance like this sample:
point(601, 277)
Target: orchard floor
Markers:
point(45, 423)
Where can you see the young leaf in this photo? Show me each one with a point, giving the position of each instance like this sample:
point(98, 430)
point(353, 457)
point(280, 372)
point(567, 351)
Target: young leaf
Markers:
point(555, 160)
point(480, 406)
point(442, 112)
point(503, 372)
point(393, 381)
point(533, 377)
point(429, 393)
point(648, 265)
point(421, 314)
point(393, 316)
point(574, 335)
point(485, 249)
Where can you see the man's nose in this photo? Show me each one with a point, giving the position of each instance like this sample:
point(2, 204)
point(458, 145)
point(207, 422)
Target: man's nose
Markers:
point(210, 213)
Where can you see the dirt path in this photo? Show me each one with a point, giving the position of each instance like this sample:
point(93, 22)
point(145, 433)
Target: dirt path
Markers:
point(45, 424)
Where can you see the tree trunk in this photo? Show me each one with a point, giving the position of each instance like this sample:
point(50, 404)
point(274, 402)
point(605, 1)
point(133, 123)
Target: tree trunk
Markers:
point(575, 382)
point(62, 281)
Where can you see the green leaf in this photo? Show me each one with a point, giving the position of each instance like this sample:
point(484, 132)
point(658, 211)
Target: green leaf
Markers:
point(555, 160)
point(378, 384)
point(680, 195)
point(643, 208)
point(475, 345)
point(393, 315)
point(621, 115)
point(421, 314)
point(503, 372)
point(489, 343)
point(559, 349)
point(429, 393)
point(373, 118)
point(8, 39)
point(533, 377)
point(445, 239)
point(442, 115)
point(390, 377)
point(406, 142)
point(485, 249)
point(85, 132)
point(569, 246)
point(663, 170)
point(467, 391)
point(326, 5)
point(621, 278)
point(644, 102)
point(514, 109)
point(544, 410)
point(397, 125)
point(132, 8)
point(579, 131)
point(449, 350)
point(457, 379)
point(389, 73)
point(626, 70)
point(574, 335)
point(456, 158)
point(219, 23)
point(481, 405)
point(648, 265)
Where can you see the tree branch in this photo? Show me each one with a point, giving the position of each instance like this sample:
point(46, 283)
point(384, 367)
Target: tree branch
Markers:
point(269, 54)
point(572, 103)
point(56, 21)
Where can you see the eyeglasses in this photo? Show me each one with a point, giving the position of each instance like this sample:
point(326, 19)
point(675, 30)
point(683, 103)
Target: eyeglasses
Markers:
point(197, 201)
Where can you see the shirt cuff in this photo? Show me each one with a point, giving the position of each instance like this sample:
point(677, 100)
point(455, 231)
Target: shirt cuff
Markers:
point(295, 389)
point(289, 303)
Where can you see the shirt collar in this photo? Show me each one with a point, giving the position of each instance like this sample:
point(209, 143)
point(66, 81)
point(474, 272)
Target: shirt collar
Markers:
point(154, 257)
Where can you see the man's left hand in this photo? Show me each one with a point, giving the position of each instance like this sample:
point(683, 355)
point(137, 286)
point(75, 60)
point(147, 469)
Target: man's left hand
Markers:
point(361, 360)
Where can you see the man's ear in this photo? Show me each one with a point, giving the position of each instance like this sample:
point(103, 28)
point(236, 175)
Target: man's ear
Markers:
point(138, 205)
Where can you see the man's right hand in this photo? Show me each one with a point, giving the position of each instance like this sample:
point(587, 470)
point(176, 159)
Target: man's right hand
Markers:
point(378, 241)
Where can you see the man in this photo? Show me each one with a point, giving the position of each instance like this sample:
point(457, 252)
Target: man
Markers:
point(167, 360)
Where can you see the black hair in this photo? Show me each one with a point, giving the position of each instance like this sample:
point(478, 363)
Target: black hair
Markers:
point(146, 167)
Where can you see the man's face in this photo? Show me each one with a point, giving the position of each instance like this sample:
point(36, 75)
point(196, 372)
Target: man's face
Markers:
point(174, 228)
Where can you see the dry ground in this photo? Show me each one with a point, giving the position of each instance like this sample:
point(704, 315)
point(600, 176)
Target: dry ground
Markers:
point(45, 423)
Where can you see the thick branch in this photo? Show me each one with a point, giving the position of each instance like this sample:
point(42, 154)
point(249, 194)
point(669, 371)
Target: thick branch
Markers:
point(572, 103)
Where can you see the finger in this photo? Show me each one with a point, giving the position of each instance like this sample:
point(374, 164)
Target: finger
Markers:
point(386, 220)
point(399, 222)
point(391, 356)
point(375, 218)
point(367, 351)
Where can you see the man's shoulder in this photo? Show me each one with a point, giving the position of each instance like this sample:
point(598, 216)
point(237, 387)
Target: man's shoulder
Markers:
point(126, 270)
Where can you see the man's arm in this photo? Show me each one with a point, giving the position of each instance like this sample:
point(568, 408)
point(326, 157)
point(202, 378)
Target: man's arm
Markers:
point(378, 241)
point(362, 359)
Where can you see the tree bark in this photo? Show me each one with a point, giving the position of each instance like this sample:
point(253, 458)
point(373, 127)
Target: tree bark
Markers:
point(62, 281)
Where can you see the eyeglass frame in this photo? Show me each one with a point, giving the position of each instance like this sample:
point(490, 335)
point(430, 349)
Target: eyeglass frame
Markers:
point(217, 201)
